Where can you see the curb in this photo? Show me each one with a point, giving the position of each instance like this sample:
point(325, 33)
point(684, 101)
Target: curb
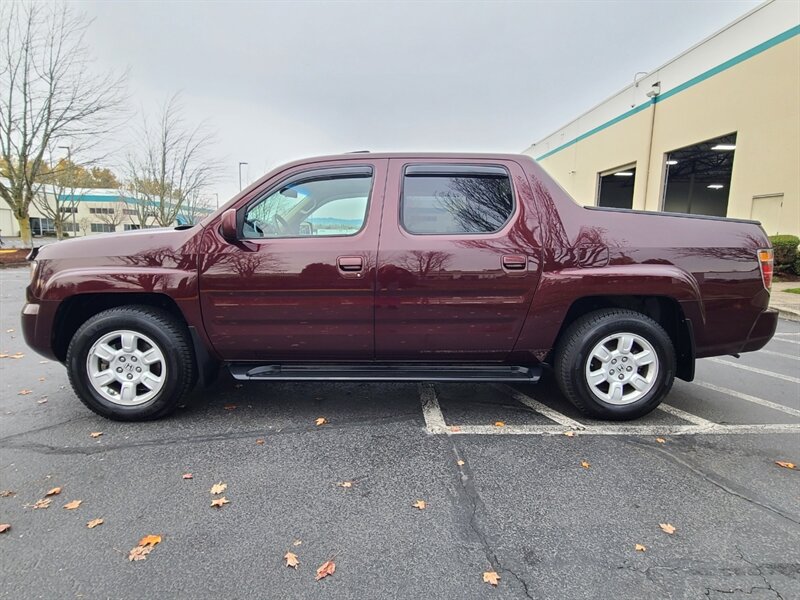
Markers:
point(786, 313)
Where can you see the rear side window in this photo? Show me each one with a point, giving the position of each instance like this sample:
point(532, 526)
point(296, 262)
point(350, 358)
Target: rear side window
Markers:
point(441, 199)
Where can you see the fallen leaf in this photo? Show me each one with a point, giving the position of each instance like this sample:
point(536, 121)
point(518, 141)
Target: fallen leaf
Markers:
point(4, 527)
point(139, 552)
point(491, 577)
point(667, 528)
point(640, 548)
point(585, 464)
point(661, 440)
point(96, 434)
point(41, 378)
point(43, 503)
point(24, 392)
point(569, 433)
point(420, 504)
point(260, 442)
point(297, 542)
point(42, 401)
point(785, 465)
point(219, 502)
point(229, 407)
point(455, 428)
point(218, 488)
point(9, 331)
point(94, 523)
point(291, 560)
point(150, 540)
point(320, 421)
point(17, 355)
point(345, 484)
point(499, 424)
point(7, 494)
point(73, 505)
point(460, 463)
point(54, 492)
point(325, 569)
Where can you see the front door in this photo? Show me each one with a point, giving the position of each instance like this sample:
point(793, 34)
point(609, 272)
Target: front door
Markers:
point(300, 284)
point(457, 266)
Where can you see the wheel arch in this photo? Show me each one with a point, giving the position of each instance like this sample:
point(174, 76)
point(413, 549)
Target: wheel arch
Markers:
point(664, 310)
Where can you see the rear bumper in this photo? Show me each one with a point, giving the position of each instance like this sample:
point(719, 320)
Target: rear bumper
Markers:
point(37, 327)
point(762, 331)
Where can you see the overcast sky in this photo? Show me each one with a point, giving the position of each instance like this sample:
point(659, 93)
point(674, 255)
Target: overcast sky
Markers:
point(279, 81)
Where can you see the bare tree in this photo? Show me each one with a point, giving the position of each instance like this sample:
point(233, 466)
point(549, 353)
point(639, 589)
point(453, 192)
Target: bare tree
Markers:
point(142, 210)
point(115, 216)
point(56, 198)
point(194, 208)
point(171, 165)
point(47, 94)
point(85, 224)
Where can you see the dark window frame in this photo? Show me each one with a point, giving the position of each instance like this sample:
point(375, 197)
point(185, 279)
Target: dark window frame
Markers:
point(341, 172)
point(451, 170)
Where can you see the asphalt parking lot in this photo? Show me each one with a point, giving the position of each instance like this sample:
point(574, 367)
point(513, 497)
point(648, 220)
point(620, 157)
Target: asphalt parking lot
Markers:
point(505, 489)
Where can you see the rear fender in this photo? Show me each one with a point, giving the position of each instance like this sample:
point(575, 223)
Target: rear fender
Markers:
point(559, 290)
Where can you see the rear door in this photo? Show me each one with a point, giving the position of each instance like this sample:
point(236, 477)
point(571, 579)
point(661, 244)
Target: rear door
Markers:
point(457, 266)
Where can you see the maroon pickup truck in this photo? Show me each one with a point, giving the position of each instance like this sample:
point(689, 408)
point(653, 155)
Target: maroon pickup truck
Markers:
point(433, 267)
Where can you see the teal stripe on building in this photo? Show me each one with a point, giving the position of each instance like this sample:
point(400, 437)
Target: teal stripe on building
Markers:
point(756, 50)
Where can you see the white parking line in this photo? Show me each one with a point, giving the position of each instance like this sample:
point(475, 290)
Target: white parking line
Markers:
point(436, 424)
point(781, 354)
point(755, 400)
point(787, 333)
point(434, 419)
point(777, 339)
point(540, 408)
point(646, 430)
point(754, 370)
point(686, 416)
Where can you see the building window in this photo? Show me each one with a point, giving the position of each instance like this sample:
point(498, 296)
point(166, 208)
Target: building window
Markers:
point(102, 228)
point(130, 227)
point(615, 187)
point(129, 212)
point(68, 210)
point(70, 227)
point(698, 178)
point(455, 199)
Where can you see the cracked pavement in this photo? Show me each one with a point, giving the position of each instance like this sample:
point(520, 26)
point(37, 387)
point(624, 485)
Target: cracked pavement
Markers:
point(521, 505)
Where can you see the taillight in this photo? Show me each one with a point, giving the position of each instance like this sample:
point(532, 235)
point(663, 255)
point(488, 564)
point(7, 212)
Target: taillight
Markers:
point(765, 262)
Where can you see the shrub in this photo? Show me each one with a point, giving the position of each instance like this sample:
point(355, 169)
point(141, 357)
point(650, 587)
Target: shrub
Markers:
point(797, 265)
point(785, 248)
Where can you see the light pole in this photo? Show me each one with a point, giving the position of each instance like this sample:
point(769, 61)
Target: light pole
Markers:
point(73, 204)
point(240, 175)
point(216, 195)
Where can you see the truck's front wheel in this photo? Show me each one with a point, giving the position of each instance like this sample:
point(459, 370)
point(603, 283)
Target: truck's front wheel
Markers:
point(131, 363)
point(615, 364)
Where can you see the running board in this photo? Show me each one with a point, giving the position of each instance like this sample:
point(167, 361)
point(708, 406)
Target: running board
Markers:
point(370, 372)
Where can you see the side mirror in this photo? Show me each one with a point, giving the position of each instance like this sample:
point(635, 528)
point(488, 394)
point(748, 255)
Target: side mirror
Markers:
point(228, 226)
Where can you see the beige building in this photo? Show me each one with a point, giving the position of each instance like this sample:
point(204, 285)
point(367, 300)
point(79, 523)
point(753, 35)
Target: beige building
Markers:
point(89, 211)
point(714, 131)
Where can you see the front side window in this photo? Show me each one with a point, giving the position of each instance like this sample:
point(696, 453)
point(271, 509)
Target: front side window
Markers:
point(455, 200)
point(328, 204)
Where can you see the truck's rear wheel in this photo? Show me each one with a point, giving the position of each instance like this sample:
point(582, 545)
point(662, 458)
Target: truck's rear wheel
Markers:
point(615, 364)
point(131, 363)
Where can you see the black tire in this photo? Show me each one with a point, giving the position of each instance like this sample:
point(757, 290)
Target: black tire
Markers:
point(573, 351)
point(166, 331)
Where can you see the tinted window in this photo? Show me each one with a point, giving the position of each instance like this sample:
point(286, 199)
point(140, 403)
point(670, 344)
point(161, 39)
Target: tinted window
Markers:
point(318, 206)
point(469, 202)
